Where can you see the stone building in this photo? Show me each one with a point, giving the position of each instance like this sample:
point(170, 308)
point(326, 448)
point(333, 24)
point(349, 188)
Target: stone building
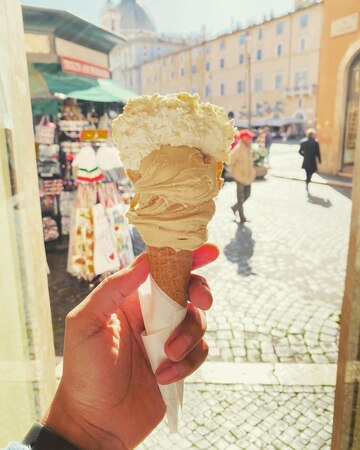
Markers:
point(278, 58)
point(133, 22)
point(339, 86)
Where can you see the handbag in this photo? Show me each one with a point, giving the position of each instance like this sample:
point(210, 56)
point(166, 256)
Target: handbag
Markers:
point(45, 131)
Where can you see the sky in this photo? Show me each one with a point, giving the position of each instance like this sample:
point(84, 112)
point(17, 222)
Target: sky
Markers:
point(183, 16)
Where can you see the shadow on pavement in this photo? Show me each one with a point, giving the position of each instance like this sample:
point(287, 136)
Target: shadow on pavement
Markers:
point(241, 249)
point(325, 203)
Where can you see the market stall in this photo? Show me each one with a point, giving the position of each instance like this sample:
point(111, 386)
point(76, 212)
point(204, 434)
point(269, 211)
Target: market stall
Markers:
point(83, 187)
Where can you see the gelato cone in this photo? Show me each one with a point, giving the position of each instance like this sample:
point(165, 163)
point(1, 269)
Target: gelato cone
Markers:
point(171, 271)
point(173, 148)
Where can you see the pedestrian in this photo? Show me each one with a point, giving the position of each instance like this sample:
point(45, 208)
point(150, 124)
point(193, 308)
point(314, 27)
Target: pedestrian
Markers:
point(108, 397)
point(242, 170)
point(310, 150)
point(268, 143)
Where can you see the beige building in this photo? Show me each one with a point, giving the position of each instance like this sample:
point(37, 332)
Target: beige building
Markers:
point(280, 56)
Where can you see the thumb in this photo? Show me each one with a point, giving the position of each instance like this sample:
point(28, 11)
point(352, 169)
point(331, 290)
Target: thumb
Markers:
point(106, 298)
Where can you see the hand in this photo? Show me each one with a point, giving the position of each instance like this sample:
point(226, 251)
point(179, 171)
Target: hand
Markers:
point(108, 397)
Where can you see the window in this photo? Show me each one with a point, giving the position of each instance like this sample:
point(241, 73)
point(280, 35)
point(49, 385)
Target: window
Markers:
point(242, 38)
point(300, 103)
point(172, 60)
point(222, 45)
point(278, 49)
point(258, 84)
point(302, 44)
point(278, 106)
point(280, 28)
point(241, 86)
point(207, 91)
point(155, 78)
point(194, 68)
point(304, 20)
point(182, 72)
point(241, 59)
point(222, 63)
point(260, 33)
point(278, 81)
point(193, 89)
point(172, 74)
point(222, 89)
point(259, 54)
point(258, 107)
point(207, 66)
point(300, 78)
point(207, 49)
point(163, 62)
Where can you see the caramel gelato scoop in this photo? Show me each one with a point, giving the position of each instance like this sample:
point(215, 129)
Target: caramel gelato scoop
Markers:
point(175, 163)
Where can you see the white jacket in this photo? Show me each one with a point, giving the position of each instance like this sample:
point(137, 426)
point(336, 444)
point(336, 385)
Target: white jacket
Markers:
point(241, 164)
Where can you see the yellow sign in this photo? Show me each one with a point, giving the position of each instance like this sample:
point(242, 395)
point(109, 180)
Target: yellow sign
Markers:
point(94, 135)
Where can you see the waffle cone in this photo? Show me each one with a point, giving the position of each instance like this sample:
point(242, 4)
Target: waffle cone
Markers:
point(171, 270)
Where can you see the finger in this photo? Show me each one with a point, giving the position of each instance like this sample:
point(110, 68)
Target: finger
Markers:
point(170, 372)
point(204, 255)
point(106, 298)
point(187, 335)
point(199, 292)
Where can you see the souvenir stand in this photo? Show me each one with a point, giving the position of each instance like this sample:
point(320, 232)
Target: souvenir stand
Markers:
point(100, 241)
point(66, 144)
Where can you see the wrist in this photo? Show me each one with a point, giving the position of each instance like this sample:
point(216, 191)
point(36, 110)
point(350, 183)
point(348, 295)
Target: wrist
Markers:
point(63, 419)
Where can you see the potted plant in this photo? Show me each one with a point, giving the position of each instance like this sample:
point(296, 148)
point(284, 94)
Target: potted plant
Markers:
point(259, 154)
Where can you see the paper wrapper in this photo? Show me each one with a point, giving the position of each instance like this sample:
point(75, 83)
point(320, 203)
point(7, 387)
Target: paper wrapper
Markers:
point(161, 316)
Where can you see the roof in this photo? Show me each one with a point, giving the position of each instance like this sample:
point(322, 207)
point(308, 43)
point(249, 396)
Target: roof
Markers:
point(133, 17)
point(69, 27)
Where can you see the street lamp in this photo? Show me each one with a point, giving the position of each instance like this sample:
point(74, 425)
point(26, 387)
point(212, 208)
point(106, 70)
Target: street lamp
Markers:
point(248, 58)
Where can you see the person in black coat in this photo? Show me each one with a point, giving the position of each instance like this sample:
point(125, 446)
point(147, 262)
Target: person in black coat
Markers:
point(310, 150)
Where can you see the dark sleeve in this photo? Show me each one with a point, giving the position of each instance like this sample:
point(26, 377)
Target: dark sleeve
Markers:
point(318, 152)
point(301, 151)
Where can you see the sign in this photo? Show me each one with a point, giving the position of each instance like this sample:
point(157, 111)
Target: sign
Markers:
point(94, 135)
point(71, 65)
point(345, 25)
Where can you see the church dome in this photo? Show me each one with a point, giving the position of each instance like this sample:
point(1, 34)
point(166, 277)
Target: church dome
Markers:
point(133, 17)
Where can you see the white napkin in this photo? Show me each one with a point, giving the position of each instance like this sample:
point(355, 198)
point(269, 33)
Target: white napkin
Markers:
point(161, 316)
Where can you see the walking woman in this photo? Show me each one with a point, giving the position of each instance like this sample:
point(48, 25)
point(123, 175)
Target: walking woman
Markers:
point(310, 150)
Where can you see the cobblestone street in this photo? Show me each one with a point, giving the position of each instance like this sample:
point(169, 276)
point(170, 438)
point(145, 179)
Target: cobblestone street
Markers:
point(278, 288)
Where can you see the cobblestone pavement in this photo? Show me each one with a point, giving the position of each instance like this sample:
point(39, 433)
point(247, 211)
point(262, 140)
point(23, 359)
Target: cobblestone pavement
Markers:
point(250, 418)
point(277, 288)
point(278, 283)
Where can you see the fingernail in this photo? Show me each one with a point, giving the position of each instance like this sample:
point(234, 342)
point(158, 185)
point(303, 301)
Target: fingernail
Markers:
point(179, 346)
point(167, 374)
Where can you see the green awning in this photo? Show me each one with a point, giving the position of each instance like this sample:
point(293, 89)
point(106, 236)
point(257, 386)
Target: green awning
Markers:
point(76, 86)
point(45, 106)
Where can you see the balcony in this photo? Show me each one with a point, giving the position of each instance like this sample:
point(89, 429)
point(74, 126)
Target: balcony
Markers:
point(300, 90)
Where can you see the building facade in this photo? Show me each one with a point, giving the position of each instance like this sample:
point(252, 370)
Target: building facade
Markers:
point(142, 43)
point(338, 113)
point(278, 59)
